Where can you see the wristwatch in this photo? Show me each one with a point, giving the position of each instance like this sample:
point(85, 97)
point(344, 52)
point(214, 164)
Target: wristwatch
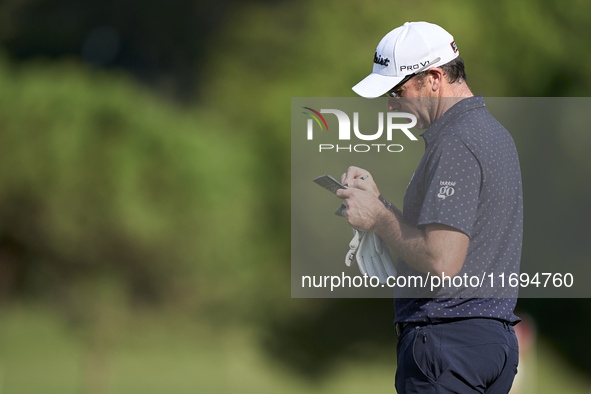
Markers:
point(386, 203)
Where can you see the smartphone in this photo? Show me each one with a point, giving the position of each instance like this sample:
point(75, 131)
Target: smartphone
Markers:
point(332, 185)
point(329, 183)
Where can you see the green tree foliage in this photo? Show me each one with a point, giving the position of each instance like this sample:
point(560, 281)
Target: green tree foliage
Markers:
point(98, 177)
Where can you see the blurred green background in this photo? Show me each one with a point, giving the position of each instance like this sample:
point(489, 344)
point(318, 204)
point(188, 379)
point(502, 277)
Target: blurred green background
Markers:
point(145, 198)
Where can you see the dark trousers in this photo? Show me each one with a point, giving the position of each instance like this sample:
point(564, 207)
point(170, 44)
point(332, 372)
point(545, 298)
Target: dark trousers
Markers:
point(461, 356)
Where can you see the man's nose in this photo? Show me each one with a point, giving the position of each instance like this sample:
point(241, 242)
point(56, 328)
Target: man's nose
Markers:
point(394, 104)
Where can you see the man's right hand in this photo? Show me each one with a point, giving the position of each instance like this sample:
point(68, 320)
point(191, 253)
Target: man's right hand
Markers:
point(359, 178)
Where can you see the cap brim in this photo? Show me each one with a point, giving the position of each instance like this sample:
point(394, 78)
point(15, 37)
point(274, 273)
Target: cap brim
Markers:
point(376, 85)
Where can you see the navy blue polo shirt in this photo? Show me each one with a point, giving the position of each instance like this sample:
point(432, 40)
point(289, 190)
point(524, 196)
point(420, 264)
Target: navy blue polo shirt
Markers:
point(469, 179)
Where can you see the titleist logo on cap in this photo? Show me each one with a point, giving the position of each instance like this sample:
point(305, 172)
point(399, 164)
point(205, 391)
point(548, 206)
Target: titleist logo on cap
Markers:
point(377, 59)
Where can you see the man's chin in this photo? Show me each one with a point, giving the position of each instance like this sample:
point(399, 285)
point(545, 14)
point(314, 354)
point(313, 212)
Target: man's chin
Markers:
point(422, 124)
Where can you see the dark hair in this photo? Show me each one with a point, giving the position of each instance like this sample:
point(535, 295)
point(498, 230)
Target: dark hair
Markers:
point(454, 71)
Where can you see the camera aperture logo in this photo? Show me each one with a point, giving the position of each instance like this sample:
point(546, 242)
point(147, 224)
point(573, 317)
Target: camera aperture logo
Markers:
point(315, 115)
point(344, 130)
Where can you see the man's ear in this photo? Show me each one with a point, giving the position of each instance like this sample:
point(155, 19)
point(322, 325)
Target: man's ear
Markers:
point(437, 78)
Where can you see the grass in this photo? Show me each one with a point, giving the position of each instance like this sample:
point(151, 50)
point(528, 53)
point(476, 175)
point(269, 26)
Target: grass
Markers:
point(147, 353)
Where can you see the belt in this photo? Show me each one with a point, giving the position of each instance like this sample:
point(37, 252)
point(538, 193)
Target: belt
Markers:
point(399, 327)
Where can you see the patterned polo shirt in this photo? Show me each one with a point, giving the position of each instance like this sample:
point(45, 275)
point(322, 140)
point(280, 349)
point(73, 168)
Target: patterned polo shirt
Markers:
point(469, 179)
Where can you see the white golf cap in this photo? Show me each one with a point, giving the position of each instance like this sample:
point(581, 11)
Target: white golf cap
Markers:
point(410, 48)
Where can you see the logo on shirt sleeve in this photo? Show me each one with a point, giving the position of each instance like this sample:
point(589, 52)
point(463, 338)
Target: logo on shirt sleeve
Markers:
point(446, 189)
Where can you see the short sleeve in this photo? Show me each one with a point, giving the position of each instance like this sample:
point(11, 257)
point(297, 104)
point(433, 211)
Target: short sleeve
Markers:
point(453, 179)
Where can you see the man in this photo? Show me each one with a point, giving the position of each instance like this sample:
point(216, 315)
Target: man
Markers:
point(462, 218)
